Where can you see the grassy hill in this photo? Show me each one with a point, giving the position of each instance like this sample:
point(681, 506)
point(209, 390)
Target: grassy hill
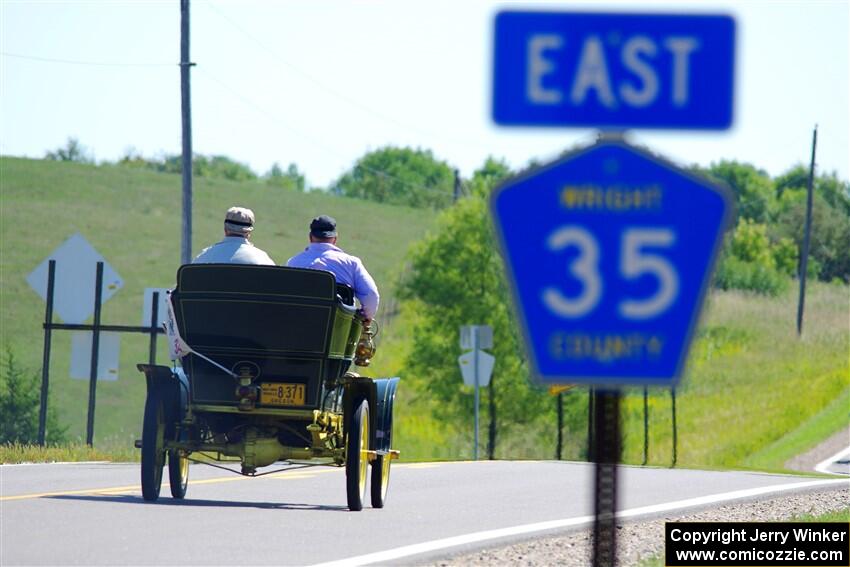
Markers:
point(133, 218)
point(754, 394)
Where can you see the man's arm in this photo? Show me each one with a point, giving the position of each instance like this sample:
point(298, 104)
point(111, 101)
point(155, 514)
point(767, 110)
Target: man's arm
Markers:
point(366, 290)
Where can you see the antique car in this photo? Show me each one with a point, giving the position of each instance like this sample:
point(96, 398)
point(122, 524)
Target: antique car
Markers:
point(266, 378)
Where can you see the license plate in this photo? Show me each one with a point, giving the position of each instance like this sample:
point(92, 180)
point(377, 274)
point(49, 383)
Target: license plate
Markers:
point(280, 394)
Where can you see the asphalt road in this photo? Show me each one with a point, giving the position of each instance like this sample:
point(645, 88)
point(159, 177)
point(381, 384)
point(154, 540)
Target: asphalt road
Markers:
point(93, 514)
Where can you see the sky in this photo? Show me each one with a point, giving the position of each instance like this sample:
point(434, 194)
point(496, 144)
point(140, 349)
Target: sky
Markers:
point(319, 84)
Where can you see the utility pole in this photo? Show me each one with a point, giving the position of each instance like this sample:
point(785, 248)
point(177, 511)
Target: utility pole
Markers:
point(186, 109)
point(457, 185)
point(804, 259)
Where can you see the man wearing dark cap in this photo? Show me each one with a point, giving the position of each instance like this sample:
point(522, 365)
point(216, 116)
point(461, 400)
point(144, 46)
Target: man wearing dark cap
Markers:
point(235, 248)
point(323, 254)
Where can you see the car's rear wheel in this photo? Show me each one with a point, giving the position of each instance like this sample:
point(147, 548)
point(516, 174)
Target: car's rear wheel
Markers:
point(178, 473)
point(153, 446)
point(380, 480)
point(357, 456)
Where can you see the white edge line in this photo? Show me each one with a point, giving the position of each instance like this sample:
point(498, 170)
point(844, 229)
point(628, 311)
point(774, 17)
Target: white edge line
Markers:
point(438, 544)
point(821, 466)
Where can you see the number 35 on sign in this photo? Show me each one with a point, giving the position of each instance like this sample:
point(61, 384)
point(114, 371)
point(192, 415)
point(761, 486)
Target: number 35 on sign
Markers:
point(609, 251)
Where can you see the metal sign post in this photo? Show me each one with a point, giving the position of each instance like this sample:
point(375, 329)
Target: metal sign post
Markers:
point(607, 455)
point(476, 366)
point(96, 328)
point(476, 386)
point(95, 342)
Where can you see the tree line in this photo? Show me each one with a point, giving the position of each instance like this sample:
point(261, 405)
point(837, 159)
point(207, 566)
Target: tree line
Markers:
point(761, 254)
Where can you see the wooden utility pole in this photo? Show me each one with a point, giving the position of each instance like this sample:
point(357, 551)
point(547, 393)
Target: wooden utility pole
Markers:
point(186, 109)
point(804, 253)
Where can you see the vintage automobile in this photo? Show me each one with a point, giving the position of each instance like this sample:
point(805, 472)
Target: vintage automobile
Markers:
point(268, 379)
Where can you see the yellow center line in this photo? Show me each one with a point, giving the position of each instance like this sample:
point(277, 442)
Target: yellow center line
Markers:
point(70, 493)
point(418, 465)
point(136, 488)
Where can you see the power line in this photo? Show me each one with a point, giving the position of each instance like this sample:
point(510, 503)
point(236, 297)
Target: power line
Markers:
point(87, 63)
point(316, 141)
point(333, 92)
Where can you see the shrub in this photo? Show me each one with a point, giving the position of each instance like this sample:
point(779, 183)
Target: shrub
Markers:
point(20, 400)
point(735, 273)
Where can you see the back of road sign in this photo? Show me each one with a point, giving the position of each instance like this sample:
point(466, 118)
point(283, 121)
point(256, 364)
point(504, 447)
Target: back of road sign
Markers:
point(613, 71)
point(609, 251)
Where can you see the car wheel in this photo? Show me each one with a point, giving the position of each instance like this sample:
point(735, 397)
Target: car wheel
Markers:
point(178, 473)
point(153, 443)
point(356, 456)
point(380, 480)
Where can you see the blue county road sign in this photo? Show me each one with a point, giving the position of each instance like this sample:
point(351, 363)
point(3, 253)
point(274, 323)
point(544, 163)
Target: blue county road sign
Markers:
point(613, 70)
point(609, 251)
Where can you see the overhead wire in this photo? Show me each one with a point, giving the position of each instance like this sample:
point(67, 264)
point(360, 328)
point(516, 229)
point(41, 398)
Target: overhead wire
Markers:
point(330, 90)
point(316, 141)
point(86, 63)
point(447, 192)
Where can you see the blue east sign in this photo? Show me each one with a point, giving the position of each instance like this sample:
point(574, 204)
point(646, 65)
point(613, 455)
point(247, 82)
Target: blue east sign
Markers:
point(613, 71)
point(609, 251)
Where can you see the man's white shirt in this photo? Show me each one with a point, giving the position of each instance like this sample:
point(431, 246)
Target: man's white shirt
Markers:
point(233, 250)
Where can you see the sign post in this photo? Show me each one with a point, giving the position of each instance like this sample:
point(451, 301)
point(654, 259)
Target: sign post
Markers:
point(610, 249)
point(476, 366)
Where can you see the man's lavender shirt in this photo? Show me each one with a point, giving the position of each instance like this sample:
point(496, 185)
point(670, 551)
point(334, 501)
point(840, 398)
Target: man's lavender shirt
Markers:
point(346, 268)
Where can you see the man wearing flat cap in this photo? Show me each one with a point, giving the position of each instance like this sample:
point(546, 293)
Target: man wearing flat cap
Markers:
point(323, 254)
point(236, 247)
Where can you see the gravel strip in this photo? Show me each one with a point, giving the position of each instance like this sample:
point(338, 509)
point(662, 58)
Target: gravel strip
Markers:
point(638, 540)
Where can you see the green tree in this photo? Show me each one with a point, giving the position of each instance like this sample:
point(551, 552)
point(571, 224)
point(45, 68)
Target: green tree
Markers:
point(219, 167)
point(401, 176)
point(457, 278)
point(751, 244)
point(20, 400)
point(73, 150)
point(833, 190)
point(753, 188)
point(291, 179)
point(755, 262)
point(830, 236)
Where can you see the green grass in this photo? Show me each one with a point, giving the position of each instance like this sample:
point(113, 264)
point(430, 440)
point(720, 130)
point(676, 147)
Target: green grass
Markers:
point(72, 452)
point(842, 515)
point(754, 394)
point(133, 218)
point(823, 424)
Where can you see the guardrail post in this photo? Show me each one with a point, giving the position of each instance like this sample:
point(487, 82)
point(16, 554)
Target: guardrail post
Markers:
point(560, 402)
point(645, 427)
point(675, 433)
point(590, 421)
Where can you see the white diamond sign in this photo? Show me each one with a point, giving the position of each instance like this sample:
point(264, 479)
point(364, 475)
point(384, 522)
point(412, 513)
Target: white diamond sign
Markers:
point(76, 269)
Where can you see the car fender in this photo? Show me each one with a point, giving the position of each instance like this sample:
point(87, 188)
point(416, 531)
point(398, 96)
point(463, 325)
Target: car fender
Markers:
point(172, 386)
point(383, 420)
